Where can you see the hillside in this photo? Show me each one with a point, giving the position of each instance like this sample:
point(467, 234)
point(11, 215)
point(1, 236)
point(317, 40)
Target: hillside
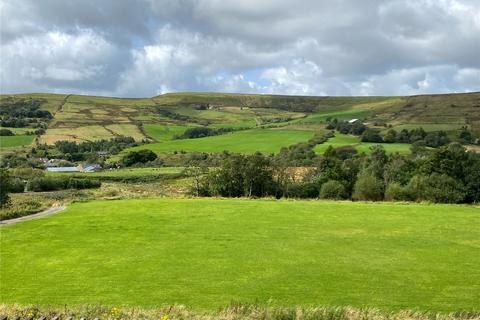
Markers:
point(89, 118)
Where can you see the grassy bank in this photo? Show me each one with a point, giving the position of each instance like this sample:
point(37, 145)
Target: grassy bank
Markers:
point(233, 312)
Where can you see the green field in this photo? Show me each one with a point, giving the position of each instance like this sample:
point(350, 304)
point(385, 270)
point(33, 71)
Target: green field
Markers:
point(87, 118)
point(164, 132)
point(249, 141)
point(15, 141)
point(343, 140)
point(206, 253)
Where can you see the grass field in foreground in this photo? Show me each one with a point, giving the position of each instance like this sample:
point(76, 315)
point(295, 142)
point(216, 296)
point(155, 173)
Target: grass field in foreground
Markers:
point(343, 140)
point(204, 253)
point(250, 141)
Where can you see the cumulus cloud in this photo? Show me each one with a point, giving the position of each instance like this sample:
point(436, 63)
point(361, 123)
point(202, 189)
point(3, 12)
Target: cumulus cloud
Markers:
point(148, 47)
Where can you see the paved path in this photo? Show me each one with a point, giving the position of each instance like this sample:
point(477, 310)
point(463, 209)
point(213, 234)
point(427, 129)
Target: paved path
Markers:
point(47, 212)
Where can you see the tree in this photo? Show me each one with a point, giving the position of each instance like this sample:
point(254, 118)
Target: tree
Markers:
point(396, 192)
point(390, 136)
point(371, 135)
point(358, 128)
point(197, 173)
point(333, 189)
point(444, 189)
point(376, 161)
point(6, 132)
point(141, 156)
point(368, 188)
point(465, 136)
point(4, 187)
point(258, 175)
point(403, 136)
point(436, 139)
point(417, 134)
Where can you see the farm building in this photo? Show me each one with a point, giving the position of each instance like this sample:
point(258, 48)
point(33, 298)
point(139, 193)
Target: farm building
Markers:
point(353, 121)
point(89, 167)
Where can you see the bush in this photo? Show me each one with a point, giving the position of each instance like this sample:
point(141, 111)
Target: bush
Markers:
point(62, 183)
point(371, 135)
point(333, 189)
point(438, 188)
point(4, 187)
point(17, 185)
point(142, 156)
point(396, 192)
point(6, 132)
point(368, 188)
point(302, 190)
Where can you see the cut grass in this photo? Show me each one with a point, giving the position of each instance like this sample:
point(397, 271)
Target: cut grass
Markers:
point(249, 141)
point(7, 142)
point(205, 253)
point(343, 140)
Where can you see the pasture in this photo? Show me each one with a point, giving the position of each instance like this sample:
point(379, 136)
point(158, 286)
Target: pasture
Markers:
point(163, 132)
point(343, 140)
point(15, 141)
point(205, 253)
point(248, 141)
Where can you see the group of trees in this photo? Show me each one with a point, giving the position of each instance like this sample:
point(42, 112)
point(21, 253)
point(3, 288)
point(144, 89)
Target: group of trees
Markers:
point(73, 151)
point(138, 157)
point(21, 179)
point(345, 127)
point(432, 139)
point(200, 132)
point(18, 113)
point(448, 174)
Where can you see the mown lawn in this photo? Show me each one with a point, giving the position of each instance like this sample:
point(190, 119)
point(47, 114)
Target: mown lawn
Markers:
point(343, 140)
point(205, 253)
point(250, 141)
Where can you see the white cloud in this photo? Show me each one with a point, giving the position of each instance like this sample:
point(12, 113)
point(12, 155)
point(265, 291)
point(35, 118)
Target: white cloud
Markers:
point(146, 47)
point(58, 60)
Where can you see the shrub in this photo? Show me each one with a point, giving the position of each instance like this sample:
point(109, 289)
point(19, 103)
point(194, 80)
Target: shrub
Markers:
point(368, 188)
point(438, 188)
point(441, 188)
point(17, 185)
point(62, 183)
point(302, 190)
point(396, 192)
point(333, 189)
point(4, 187)
point(6, 132)
point(371, 135)
point(142, 156)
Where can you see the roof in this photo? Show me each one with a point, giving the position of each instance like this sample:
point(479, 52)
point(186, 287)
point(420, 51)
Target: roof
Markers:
point(352, 121)
point(62, 169)
point(89, 167)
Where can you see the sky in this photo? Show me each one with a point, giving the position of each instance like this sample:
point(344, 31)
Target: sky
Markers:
point(143, 48)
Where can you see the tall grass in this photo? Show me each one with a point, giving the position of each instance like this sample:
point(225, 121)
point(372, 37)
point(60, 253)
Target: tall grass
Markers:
point(232, 312)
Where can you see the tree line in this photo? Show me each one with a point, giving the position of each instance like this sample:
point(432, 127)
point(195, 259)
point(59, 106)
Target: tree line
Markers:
point(449, 174)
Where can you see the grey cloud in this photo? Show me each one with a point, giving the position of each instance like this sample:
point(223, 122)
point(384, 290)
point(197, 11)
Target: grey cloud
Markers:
point(145, 47)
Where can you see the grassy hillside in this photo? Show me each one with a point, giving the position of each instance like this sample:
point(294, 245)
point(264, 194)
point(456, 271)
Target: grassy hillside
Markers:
point(343, 140)
point(87, 118)
point(207, 253)
point(249, 141)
